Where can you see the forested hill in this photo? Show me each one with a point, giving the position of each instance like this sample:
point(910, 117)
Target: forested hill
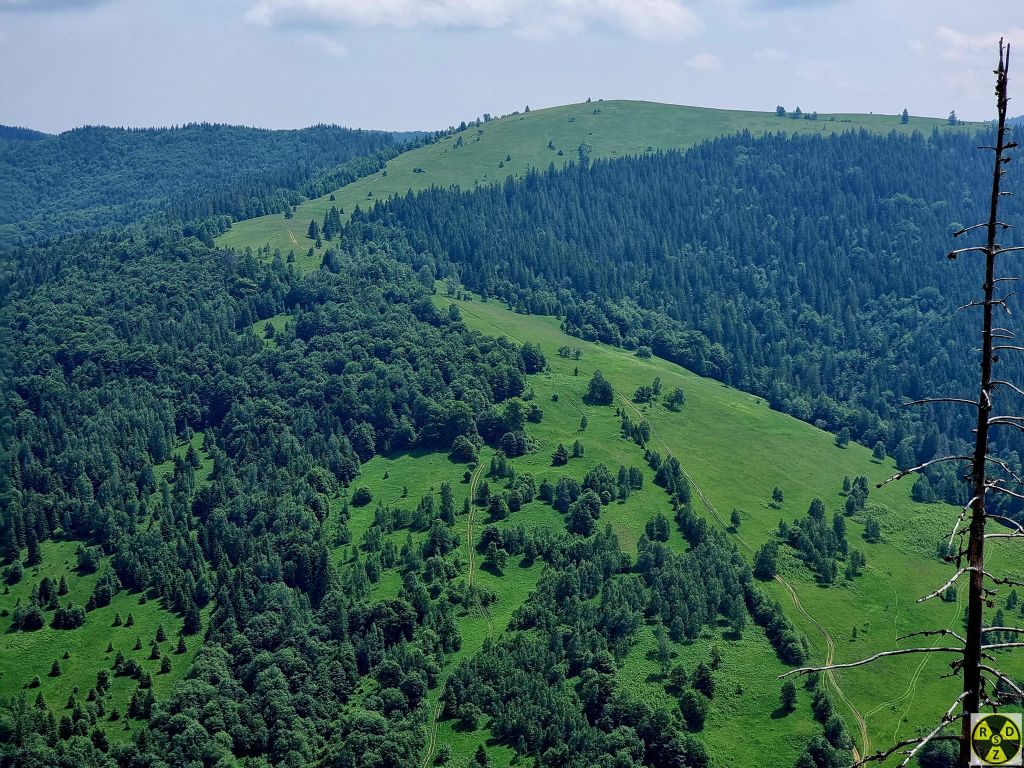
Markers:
point(17, 133)
point(808, 269)
point(94, 176)
point(487, 150)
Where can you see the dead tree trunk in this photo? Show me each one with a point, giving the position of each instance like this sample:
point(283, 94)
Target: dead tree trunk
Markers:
point(979, 464)
point(983, 683)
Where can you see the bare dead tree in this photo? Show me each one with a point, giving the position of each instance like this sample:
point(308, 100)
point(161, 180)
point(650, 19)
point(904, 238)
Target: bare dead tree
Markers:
point(985, 686)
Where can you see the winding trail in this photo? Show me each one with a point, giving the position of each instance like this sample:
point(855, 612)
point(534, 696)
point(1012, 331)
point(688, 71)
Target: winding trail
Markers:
point(470, 550)
point(471, 559)
point(911, 690)
point(432, 732)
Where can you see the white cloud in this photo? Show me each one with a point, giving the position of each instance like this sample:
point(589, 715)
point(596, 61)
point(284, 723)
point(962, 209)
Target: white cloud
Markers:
point(646, 19)
point(327, 45)
point(959, 46)
point(704, 62)
point(770, 54)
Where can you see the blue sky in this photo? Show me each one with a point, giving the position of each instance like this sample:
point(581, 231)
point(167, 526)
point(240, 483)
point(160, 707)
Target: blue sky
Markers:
point(424, 64)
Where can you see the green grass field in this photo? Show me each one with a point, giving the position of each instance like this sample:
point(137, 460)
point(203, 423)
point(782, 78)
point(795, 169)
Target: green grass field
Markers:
point(512, 145)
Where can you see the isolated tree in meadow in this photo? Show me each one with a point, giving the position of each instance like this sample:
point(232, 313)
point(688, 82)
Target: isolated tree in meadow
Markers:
point(974, 653)
point(787, 697)
point(599, 391)
point(780, 111)
point(560, 457)
point(952, 119)
point(843, 438)
point(905, 117)
point(878, 452)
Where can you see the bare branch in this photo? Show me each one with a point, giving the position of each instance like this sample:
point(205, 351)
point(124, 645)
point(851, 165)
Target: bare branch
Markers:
point(1000, 646)
point(1005, 467)
point(958, 251)
point(1004, 678)
point(965, 230)
point(1008, 521)
point(880, 655)
point(895, 748)
point(946, 721)
point(927, 400)
point(1008, 385)
point(963, 514)
point(945, 586)
point(1004, 581)
point(1017, 630)
point(919, 467)
point(932, 633)
point(992, 486)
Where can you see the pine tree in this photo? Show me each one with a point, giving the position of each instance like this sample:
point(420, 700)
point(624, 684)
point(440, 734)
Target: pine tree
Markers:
point(560, 457)
point(787, 697)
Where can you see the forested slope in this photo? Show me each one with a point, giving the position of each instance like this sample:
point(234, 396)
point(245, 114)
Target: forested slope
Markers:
point(95, 176)
point(810, 270)
point(254, 513)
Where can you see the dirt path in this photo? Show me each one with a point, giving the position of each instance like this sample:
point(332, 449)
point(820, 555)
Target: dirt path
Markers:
point(471, 559)
point(911, 690)
point(830, 650)
point(470, 549)
point(432, 733)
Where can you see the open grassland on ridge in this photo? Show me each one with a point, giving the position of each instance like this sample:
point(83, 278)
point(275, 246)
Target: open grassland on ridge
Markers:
point(511, 146)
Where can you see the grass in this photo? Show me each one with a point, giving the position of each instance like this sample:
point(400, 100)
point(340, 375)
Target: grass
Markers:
point(513, 145)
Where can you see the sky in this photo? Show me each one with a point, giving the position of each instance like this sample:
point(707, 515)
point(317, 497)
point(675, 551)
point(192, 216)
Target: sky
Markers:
point(428, 64)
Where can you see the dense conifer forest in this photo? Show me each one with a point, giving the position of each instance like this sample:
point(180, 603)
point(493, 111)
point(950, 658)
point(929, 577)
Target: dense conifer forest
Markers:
point(95, 176)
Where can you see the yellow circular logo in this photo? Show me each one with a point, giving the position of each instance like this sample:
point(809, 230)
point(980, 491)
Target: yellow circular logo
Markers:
point(996, 740)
